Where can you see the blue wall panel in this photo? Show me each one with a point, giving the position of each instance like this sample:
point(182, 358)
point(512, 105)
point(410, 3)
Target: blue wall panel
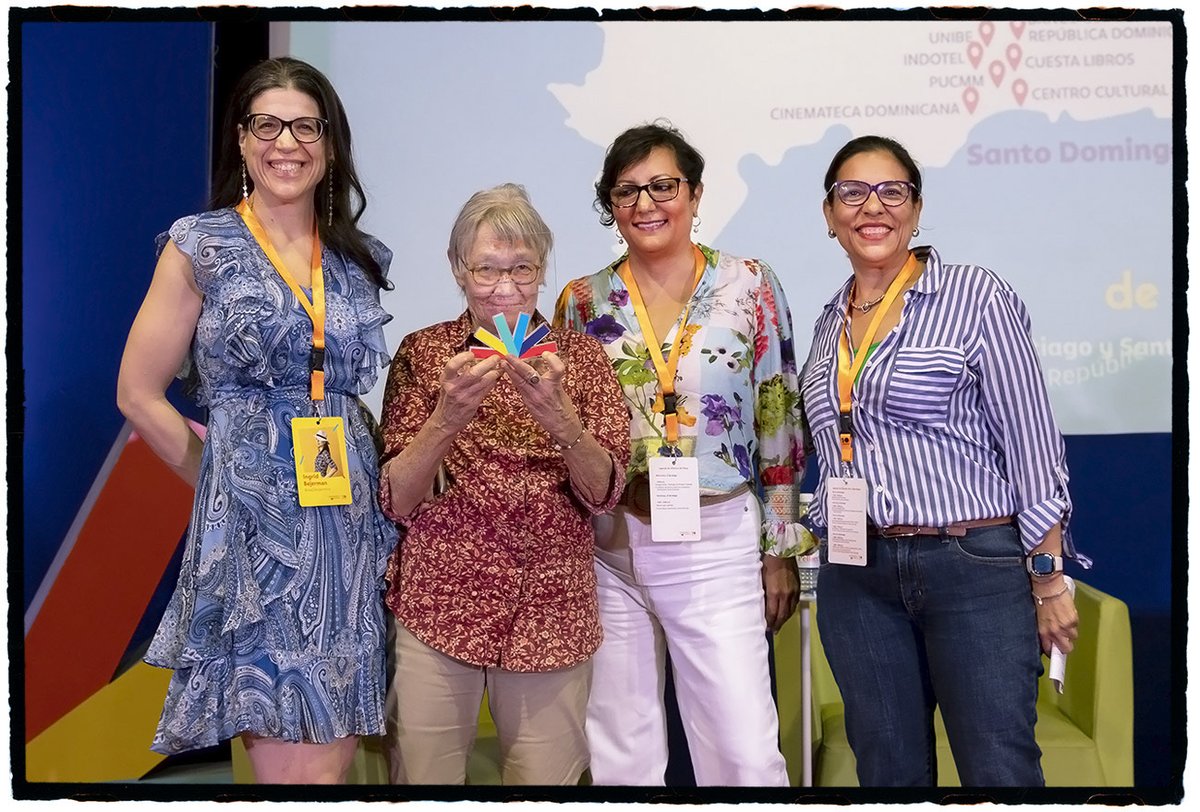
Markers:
point(115, 125)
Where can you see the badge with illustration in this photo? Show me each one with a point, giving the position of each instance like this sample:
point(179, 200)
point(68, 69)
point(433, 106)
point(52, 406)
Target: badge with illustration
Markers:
point(319, 448)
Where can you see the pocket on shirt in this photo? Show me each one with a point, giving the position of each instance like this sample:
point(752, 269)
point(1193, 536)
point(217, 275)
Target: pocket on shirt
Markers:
point(819, 411)
point(923, 379)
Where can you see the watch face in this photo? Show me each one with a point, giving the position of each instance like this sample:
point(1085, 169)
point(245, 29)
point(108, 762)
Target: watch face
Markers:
point(1042, 564)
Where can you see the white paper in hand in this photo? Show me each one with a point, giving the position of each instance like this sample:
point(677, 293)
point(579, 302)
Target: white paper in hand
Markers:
point(1058, 660)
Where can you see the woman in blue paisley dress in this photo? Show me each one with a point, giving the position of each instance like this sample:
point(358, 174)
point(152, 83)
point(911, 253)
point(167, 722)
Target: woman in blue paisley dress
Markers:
point(276, 627)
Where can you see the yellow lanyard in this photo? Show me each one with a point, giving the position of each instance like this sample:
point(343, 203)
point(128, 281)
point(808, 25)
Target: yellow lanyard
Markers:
point(664, 368)
point(314, 308)
point(847, 371)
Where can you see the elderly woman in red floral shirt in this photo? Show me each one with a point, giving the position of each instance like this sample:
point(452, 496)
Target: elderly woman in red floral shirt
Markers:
point(495, 467)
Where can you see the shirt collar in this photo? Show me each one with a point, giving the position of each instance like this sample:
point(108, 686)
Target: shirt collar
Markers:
point(928, 282)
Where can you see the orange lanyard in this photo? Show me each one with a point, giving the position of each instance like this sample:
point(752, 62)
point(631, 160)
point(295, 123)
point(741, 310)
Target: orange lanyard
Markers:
point(847, 371)
point(665, 368)
point(314, 308)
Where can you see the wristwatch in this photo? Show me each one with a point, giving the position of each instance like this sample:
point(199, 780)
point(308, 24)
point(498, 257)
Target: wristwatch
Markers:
point(1043, 563)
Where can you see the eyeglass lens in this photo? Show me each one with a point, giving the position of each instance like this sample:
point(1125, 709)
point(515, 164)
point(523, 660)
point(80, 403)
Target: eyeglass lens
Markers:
point(660, 191)
point(490, 275)
point(267, 127)
point(856, 192)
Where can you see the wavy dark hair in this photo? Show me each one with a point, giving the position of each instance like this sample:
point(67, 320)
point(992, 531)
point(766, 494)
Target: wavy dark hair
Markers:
point(349, 200)
point(873, 143)
point(634, 145)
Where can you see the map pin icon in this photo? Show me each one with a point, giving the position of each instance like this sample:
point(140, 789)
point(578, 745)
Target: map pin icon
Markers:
point(970, 98)
point(996, 70)
point(986, 30)
point(1013, 52)
point(1018, 28)
point(974, 53)
point(1020, 90)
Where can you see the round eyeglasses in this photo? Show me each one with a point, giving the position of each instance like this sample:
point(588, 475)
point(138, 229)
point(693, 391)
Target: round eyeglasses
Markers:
point(856, 192)
point(660, 191)
point(266, 127)
point(522, 273)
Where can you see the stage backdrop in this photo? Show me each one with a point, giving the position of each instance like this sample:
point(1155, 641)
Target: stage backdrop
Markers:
point(1046, 149)
point(441, 110)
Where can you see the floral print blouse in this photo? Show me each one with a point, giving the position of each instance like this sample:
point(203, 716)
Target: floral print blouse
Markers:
point(738, 401)
point(497, 570)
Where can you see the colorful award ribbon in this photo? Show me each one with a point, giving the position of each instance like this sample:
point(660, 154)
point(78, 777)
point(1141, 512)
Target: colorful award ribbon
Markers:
point(518, 341)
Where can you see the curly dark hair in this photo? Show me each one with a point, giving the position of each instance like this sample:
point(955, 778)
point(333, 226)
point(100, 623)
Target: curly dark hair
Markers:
point(634, 145)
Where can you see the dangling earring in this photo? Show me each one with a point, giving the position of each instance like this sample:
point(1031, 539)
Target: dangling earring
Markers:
point(917, 232)
point(245, 188)
point(831, 234)
point(329, 194)
point(695, 224)
point(620, 236)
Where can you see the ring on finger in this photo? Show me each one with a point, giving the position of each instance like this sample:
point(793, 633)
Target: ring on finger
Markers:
point(533, 379)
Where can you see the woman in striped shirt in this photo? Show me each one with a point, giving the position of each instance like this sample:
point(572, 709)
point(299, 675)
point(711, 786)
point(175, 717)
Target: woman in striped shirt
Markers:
point(943, 501)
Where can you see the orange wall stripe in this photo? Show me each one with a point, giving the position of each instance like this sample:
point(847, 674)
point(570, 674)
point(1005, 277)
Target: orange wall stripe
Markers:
point(89, 614)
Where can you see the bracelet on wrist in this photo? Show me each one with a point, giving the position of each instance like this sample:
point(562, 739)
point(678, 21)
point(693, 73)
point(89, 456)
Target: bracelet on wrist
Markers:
point(1041, 599)
point(568, 446)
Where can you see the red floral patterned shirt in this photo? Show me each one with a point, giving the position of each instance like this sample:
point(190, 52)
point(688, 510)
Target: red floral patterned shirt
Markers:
point(497, 571)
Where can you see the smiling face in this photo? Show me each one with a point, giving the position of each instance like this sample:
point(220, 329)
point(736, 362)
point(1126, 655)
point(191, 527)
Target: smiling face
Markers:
point(505, 297)
point(284, 171)
point(875, 236)
point(657, 228)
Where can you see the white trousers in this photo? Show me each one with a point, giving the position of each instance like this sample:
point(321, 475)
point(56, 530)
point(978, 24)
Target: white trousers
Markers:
point(703, 602)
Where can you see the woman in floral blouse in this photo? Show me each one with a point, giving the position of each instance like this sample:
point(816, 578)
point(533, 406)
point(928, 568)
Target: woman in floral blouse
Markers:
point(493, 583)
point(705, 567)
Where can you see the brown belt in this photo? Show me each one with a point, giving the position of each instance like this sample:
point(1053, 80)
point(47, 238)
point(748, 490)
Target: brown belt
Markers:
point(958, 529)
point(637, 495)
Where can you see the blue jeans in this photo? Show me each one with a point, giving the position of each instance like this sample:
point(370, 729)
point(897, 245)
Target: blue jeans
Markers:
point(936, 621)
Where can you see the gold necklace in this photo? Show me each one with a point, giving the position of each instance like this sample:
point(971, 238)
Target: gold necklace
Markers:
point(865, 306)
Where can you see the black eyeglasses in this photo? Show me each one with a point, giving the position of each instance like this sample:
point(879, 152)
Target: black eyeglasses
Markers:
point(266, 127)
point(522, 273)
point(660, 191)
point(856, 192)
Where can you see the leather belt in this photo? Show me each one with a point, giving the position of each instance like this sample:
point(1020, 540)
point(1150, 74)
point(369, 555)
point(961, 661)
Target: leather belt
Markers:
point(636, 497)
point(958, 529)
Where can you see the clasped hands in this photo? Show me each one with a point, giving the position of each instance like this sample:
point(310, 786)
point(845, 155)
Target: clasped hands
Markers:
point(466, 381)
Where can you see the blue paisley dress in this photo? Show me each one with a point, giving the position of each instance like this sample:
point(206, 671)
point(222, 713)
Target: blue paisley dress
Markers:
point(276, 626)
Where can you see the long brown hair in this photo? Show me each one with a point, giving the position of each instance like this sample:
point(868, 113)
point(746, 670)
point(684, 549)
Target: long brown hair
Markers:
point(349, 200)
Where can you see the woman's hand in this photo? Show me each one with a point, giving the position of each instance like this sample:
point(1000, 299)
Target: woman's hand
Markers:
point(540, 386)
point(1057, 618)
point(465, 383)
point(158, 342)
point(781, 586)
point(543, 395)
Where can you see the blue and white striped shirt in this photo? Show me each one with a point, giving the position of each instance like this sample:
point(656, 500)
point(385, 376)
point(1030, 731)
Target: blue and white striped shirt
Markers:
point(951, 417)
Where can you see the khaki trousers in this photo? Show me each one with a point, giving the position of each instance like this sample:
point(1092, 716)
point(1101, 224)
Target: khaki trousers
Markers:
point(433, 714)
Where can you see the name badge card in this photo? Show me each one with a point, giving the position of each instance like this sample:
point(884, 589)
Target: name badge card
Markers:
point(674, 499)
point(319, 449)
point(846, 509)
